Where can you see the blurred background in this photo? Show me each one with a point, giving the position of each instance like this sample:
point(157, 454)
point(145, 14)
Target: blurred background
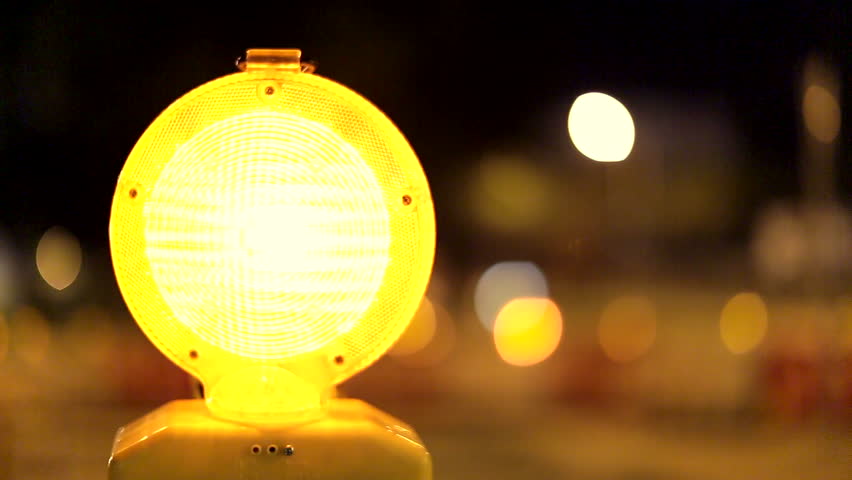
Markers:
point(685, 313)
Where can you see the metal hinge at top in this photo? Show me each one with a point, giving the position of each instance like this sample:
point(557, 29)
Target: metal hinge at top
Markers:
point(286, 59)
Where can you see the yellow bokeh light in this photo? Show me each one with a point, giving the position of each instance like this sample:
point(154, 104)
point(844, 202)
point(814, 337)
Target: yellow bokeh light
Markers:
point(503, 282)
point(601, 127)
point(440, 344)
point(822, 113)
point(527, 330)
point(628, 328)
point(743, 322)
point(29, 335)
point(419, 333)
point(58, 258)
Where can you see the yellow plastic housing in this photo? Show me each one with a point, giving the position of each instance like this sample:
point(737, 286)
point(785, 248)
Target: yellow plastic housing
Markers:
point(353, 441)
point(272, 233)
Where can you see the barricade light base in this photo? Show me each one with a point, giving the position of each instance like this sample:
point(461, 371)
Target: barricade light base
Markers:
point(353, 440)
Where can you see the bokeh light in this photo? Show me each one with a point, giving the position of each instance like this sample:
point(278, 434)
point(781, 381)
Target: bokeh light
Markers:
point(601, 127)
point(527, 331)
point(419, 332)
point(510, 194)
point(743, 322)
point(822, 113)
point(628, 327)
point(503, 282)
point(58, 257)
point(779, 246)
point(439, 346)
point(29, 335)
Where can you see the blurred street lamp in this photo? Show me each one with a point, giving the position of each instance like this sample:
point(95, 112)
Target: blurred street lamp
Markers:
point(601, 127)
point(59, 258)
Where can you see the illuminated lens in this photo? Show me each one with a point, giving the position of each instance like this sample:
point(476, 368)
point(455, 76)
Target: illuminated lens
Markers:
point(267, 233)
point(272, 219)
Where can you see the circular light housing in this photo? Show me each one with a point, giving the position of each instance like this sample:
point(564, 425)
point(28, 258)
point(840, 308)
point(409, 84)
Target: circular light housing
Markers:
point(272, 219)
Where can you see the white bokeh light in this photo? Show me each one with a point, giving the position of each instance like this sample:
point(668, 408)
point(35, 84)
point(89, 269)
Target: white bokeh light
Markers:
point(503, 282)
point(601, 127)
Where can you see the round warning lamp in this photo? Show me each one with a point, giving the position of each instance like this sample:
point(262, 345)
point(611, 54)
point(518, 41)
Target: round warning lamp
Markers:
point(272, 233)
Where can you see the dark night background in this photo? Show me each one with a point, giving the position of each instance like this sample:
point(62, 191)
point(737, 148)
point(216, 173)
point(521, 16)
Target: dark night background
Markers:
point(80, 82)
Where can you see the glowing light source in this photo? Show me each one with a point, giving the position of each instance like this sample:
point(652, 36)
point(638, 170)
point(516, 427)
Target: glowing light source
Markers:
point(743, 322)
point(822, 113)
point(298, 248)
point(527, 331)
point(601, 127)
point(272, 233)
point(58, 257)
point(628, 327)
point(29, 335)
point(419, 333)
point(503, 282)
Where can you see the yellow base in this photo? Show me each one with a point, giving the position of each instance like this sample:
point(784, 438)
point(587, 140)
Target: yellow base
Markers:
point(352, 441)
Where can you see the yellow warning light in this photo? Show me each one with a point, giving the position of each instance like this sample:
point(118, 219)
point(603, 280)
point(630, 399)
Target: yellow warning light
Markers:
point(272, 233)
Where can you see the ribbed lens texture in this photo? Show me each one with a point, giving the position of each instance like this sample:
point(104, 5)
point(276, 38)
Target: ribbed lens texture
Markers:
point(267, 234)
point(270, 218)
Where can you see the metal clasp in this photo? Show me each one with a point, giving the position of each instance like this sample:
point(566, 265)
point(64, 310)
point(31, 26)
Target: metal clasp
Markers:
point(286, 59)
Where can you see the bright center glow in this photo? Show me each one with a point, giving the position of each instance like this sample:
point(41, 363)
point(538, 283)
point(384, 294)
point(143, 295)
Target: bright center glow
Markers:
point(601, 127)
point(58, 258)
point(527, 330)
point(503, 282)
point(628, 328)
point(822, 113)
point(743, 322)
point(277, 243)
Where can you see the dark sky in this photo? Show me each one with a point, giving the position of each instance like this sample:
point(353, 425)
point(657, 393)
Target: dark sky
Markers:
point(79, 83)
